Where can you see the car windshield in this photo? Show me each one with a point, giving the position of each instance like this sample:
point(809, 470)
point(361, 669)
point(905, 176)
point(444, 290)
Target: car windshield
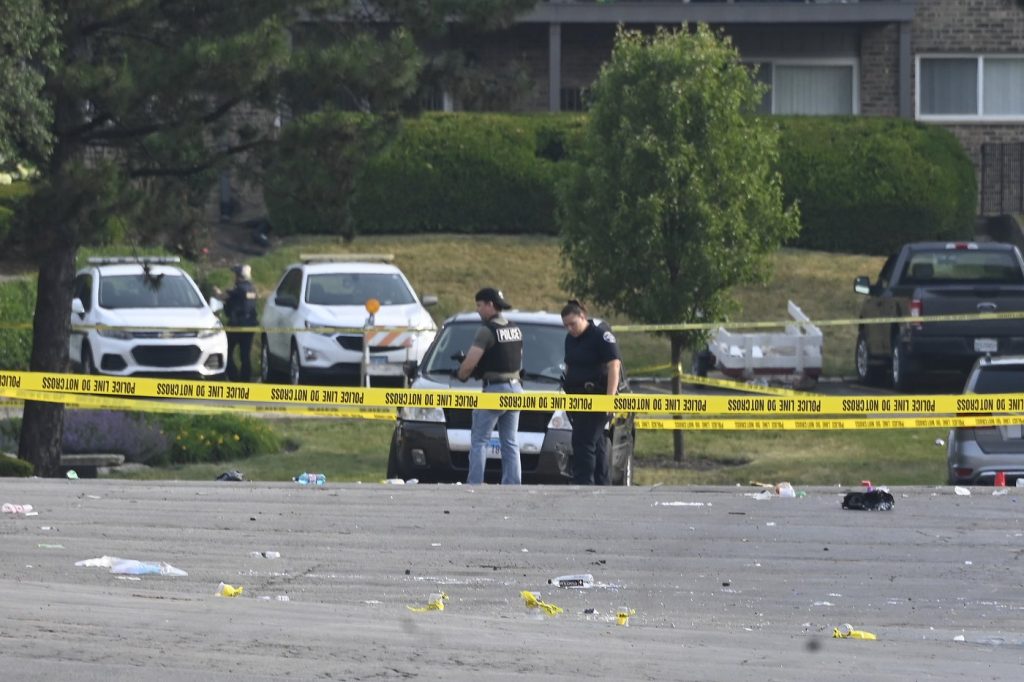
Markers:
point(355, 288)
point(543, 349)
point(141, 291)
point(1000, 379)
point(980, 267)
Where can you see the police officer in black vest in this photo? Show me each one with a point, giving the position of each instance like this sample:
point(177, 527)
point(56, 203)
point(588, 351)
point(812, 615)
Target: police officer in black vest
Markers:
point(592, 365)
point(240, 308)
point(496, 357)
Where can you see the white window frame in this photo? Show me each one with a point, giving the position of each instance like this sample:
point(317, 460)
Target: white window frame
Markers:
point(820, 61)
point(980, 116)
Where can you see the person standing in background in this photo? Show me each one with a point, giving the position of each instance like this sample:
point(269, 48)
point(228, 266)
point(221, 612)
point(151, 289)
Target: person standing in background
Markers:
point(240, 309)
point(496, 357)
point(593, 366)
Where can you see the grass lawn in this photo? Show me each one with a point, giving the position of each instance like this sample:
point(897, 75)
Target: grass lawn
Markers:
point(357, 451)
point(453, 267)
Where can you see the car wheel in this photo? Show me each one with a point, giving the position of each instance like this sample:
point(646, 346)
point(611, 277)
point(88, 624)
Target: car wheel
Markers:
point(393, 468)
point(902, 378)
point(88, 366)
point(267, 373)
point(867, 374)
point(627, 472)
point(295, 374)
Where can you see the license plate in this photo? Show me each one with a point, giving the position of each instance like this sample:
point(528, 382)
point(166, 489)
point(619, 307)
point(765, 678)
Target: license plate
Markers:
point(493, 449)
point(378, 359)
point(986, 346)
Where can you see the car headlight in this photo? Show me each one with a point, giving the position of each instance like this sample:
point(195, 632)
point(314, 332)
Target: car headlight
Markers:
point(111, 333)
point(317, 328)
point(421, 414)
point(212, 331)
point(559, 421)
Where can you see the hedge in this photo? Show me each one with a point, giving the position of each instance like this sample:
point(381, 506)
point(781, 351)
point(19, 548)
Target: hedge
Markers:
point(867, 185)
point(17, 304)
point(443, 173)
point(864, 185)
point(10, 195)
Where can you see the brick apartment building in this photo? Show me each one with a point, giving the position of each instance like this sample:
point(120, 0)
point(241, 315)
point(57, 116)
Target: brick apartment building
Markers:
point(954, 63)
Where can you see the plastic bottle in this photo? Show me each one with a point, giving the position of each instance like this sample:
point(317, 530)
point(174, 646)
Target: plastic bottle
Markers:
point(306, 478)
point(582, 581)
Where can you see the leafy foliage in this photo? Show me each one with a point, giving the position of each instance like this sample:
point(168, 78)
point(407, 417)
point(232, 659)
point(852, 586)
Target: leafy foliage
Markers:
point(17, 298)
point(131, 434)
point(464, 173)
point(675, 197)
point(869, 185)
point(215, 438)
point(10, 466)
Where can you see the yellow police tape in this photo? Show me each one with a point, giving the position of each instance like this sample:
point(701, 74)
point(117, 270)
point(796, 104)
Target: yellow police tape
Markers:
point(691, 405)
point(842, 424)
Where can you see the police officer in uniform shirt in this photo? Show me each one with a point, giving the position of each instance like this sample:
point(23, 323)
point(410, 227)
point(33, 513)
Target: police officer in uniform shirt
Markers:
point(592, 365)
point(240, 308)
point(496, 357)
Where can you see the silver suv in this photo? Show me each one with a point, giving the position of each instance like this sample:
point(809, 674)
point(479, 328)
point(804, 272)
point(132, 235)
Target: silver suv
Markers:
point(975, 455)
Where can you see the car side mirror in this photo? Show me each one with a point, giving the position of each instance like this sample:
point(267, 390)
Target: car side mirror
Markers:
point(428, 300)
point(409, 368)
point(77, 307)
point(286, 301)
point(216, 305)
point(862, 285)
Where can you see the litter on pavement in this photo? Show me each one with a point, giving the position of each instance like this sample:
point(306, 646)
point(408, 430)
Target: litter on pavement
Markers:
point(132, 566)
point(18, 509)
point(231, 476)
point(846, 631)
point(533, 601)
point(434, 603)
point(875, 499)
point(225, 590)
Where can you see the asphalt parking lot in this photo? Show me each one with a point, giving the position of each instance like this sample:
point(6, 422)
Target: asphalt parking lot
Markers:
point(725, 587)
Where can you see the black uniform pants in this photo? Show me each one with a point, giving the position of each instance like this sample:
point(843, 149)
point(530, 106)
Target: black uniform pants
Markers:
point(243, 342)
point(589, 451)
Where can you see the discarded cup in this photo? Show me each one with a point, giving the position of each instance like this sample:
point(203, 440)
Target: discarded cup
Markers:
point(785, 489)
point(72, 474)
point(846, 631)
point(225, 590)
point(622, 615)
point(533, 601)
point(583, 580)
point(435, 602)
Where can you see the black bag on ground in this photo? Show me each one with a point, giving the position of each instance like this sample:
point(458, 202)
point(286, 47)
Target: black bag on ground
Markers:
point(872, 500)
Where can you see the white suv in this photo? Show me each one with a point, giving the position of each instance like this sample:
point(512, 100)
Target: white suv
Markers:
point(331, 292)
point(144, 317)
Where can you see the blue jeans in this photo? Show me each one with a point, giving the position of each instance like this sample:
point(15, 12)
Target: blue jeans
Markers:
point(507, 422)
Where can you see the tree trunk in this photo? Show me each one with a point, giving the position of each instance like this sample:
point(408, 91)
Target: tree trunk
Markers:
point(42, 427)
point(677, 388)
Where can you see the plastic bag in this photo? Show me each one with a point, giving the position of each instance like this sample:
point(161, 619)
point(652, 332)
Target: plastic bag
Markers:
point(872, 500)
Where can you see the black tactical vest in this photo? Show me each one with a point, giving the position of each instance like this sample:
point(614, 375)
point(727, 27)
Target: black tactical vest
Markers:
point(506, 355)
point(241, 305)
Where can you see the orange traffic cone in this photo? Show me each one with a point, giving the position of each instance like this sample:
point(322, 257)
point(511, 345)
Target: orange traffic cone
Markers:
point(1000, 479)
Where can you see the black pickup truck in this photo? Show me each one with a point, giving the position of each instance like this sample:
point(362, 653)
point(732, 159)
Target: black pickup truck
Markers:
point(939, 278)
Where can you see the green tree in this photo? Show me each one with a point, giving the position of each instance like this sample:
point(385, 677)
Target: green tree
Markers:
point(129, 109)
point(673, 199)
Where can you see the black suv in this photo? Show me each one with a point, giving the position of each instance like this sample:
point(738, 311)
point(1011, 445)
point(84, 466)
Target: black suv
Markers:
point(432, 444)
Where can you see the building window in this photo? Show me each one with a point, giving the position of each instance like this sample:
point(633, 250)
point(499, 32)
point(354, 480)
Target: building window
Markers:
point(958, 87)
point(809, 88)
point(573, 99)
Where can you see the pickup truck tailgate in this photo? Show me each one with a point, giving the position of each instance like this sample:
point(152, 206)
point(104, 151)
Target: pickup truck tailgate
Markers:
point(970, 300)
